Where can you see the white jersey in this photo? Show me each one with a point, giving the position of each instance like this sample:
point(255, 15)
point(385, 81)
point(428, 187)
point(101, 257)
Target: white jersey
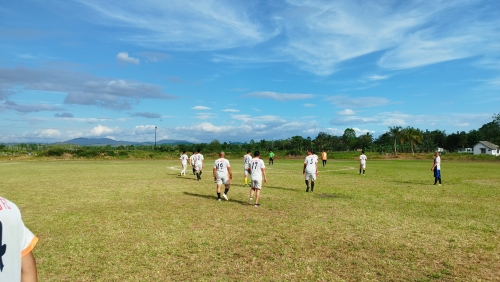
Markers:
point(193, 159)
point(184, 159)
point(16, 241)
point(256, 166)
point(247, 159)
point(437, 161)
point(362, 159)
point(221, 166)
point(199, 159)
point(311, 162)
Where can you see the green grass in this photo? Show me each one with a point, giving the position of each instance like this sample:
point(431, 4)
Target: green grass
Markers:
point(137, 220)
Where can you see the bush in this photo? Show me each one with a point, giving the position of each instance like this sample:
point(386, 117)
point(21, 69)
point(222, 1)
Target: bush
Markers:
point(111, 153)
point(56, 152)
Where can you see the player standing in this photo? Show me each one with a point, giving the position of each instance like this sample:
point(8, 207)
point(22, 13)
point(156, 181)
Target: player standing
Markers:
point(246, 160)
point(271, 157)
point(257, 169)
point(323, 157)
point(199, 164)
point(222, 174)
point(184, 162)
point(310, 169)
point(362, 162)
point(436, 167)
point(17, 262)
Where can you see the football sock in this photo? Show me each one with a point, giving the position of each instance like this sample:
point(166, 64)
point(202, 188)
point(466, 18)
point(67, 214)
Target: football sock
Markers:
point(218, 195)
point(226, 190)
point(363, 171)
point(439, 180)
point(359, 171)
point(312, 186)
point(307, 183)
point(201, 172)
point(246, 181)
point(435, 180)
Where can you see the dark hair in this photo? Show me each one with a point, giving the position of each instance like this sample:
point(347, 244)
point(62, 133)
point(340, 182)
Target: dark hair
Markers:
point(249, 151)
point(256, 154)
point(362, 152)
point(183, 152)
point(199, 150)
point(310, 150)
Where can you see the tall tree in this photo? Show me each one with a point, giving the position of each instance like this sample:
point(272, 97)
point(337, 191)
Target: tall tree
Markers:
point(349, 137)
point(395, 132)
point(413, 136)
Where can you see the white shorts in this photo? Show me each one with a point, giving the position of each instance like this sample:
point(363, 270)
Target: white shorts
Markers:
point(257, 184)
point(363, 166)
point(184, 164)
point(310, 176)
point(223, 178)
point(198, 167)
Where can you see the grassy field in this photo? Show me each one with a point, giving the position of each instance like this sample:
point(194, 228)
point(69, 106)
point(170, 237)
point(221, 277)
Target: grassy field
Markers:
point(139, 221)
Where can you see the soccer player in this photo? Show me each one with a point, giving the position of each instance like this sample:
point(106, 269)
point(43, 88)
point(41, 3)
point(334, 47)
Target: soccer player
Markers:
point(310, 170)
point(193, 162)
point(323, 157)
point(246, 160)
point(362, 162)
point(271, 157)
point(436, 167)
point(222, 174)
point(17, 262)
point(256, 169)
point(184, 162)
point(199, 164)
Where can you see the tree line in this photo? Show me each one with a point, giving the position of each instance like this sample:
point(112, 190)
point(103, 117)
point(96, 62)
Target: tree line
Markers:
point(397, 139)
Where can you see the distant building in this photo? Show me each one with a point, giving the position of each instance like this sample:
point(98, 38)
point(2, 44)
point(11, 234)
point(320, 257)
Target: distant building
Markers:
point(486, 148)
point(465, 150)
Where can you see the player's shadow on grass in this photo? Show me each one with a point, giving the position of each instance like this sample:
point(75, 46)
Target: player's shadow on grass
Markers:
point(333, 196)
point(213, 198)
point(422, 183)
point(185, 177)
point(281, 188)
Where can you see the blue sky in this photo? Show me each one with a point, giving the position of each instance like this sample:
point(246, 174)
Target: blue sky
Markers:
point(241, 70)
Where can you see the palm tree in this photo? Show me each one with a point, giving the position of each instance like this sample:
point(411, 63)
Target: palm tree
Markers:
point(412, 135)
point(395, 132)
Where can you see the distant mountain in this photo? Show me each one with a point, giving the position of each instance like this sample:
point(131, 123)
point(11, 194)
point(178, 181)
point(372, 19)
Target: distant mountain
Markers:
point(106, 141)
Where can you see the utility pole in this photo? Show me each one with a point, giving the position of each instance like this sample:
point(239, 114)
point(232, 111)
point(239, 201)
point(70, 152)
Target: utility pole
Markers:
point(155, 137)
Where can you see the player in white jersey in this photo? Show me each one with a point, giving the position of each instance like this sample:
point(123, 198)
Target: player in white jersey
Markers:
point(184, 162)
point(436, 168)
point(222, 174)
point(257, 169)
point(362, 162)
point(310, 170)
point(246, 160)
point(17, 262)
point(199, 164)
point(192, 160)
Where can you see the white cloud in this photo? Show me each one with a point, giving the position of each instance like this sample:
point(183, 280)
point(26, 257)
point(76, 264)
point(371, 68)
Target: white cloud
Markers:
point(51, 133)
point(346, 112)
point(144, 129)
point(204, 116)
point(123, 57)
point(230, 110)
point(200, 108)
point(376, 77)
point(182, 25)
point(309, 105)
point(279, 96)
point(100, 130)
point(357, 102)
point(360, 132)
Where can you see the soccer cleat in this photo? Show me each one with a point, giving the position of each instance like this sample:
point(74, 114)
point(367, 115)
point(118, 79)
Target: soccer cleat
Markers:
point(256, 205)
point(225, 197)
point(307, 189)
point(219, 199)
point(439, 184)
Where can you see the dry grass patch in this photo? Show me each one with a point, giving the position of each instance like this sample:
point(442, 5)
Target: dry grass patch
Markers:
point(140, 221)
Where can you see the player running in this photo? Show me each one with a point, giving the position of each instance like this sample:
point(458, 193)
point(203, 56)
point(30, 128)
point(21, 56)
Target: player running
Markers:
point(222, 174)
point(310, 169)
point(362, 162)
point(246, 160)
point(257, 169)
point(184, 161)
point(199, 164)
point(192, 160)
